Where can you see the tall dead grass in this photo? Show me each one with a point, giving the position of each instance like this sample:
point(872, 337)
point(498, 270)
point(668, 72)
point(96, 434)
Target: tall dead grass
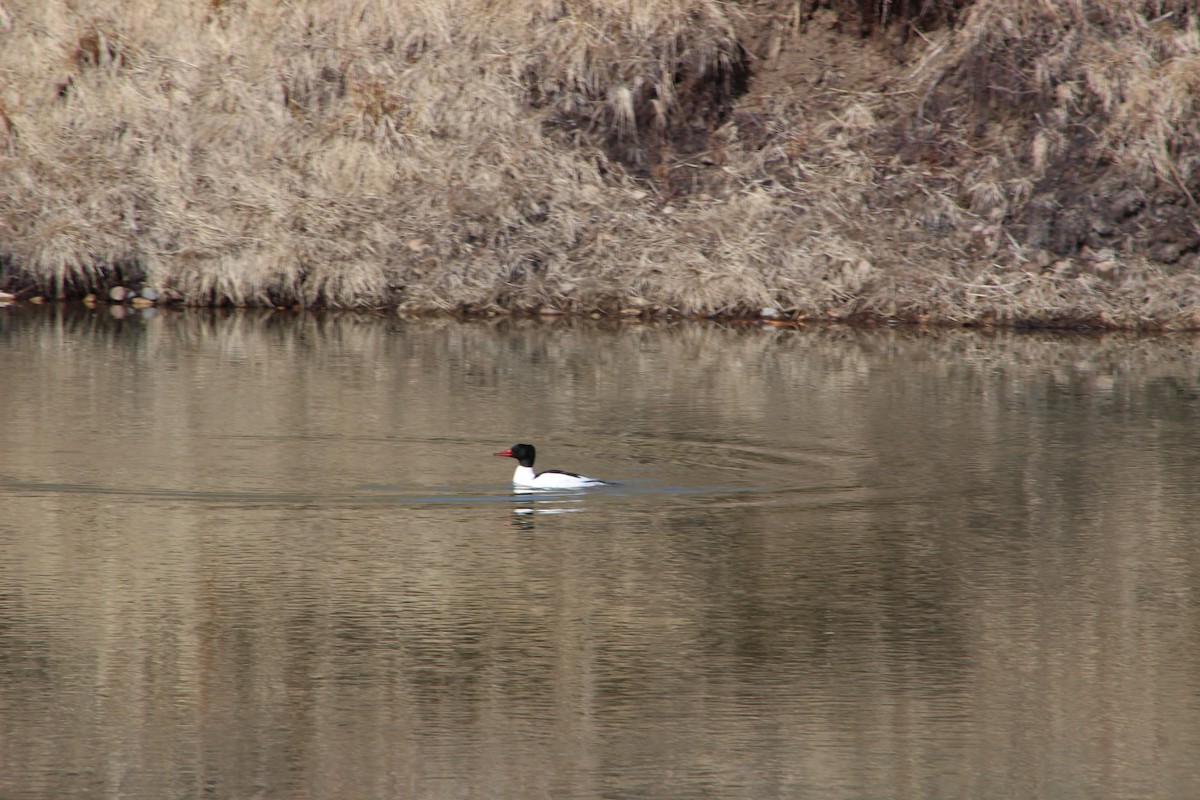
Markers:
point(348, 152)
point(447, 154)
point(1043, 83)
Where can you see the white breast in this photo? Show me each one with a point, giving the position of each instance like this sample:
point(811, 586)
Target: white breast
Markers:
point(525, 478)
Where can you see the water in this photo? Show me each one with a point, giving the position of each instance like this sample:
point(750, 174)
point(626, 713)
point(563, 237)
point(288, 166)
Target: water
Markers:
point(255, 556)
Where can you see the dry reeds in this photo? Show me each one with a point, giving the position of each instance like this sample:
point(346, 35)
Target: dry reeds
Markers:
point(485, 155)
point(347, 153)
point(1072, 99)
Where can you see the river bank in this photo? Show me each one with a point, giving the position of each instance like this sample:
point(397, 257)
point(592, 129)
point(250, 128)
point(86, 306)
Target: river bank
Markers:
point(1007, 163)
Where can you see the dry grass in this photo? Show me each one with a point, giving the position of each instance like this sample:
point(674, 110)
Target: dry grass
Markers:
point(1081, 87)
point(486, 155)
point(361, 153)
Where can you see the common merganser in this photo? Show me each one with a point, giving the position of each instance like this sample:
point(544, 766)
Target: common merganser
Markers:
point(526, 478)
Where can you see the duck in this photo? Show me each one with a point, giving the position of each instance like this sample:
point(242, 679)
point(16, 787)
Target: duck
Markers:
point(526, 478)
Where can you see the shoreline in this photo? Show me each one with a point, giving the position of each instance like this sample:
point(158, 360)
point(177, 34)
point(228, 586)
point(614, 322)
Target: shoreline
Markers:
point(765, 318)
point(701, 160)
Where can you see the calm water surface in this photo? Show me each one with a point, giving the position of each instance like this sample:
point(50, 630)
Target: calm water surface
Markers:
point(248, 556)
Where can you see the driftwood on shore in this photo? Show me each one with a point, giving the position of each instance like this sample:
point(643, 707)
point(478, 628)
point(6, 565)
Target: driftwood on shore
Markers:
point(1006, 162)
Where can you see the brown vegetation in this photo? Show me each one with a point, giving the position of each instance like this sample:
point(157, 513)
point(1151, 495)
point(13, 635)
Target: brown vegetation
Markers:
point(1011, 161)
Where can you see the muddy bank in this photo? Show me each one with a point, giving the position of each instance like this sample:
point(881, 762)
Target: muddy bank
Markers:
point(999, 163)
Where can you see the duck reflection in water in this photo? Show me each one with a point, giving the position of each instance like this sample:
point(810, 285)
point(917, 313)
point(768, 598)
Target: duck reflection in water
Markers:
point(531, 502)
